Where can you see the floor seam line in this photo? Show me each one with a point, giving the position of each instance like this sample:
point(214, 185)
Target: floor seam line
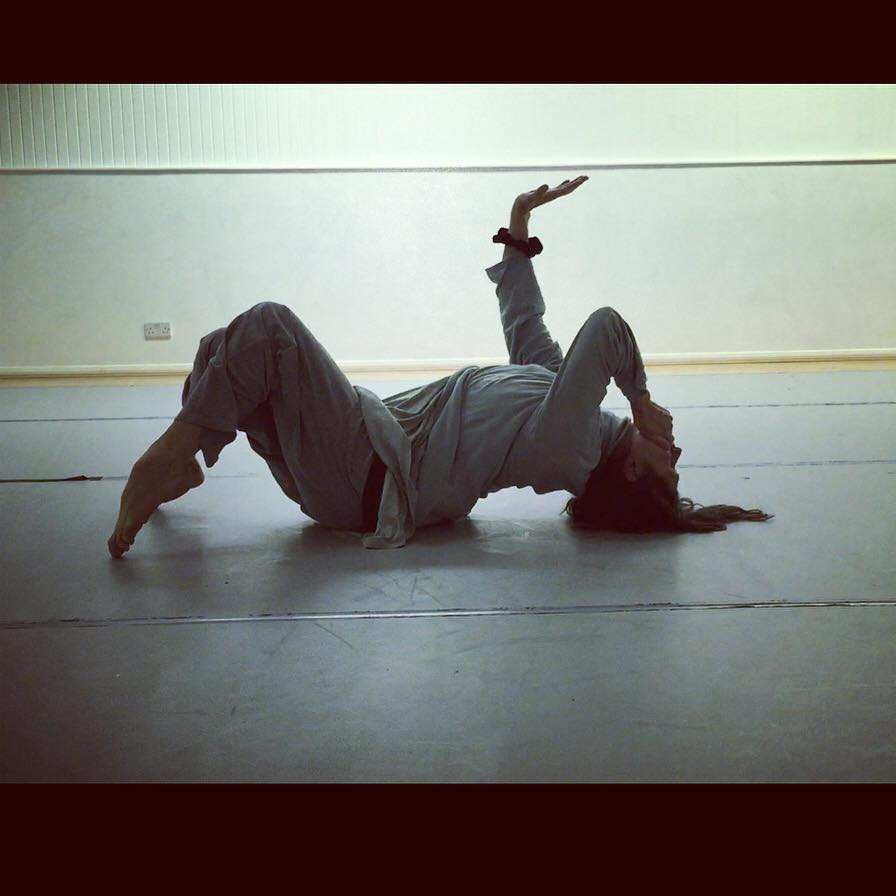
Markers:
point(681, 407)
point(445, 613)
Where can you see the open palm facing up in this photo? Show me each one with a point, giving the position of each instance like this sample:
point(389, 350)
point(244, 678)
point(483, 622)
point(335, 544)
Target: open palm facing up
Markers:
point(525, 202)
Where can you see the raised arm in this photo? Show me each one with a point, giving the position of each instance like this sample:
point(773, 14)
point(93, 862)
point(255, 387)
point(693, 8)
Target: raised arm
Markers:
point(522, 307)
point(521, 302)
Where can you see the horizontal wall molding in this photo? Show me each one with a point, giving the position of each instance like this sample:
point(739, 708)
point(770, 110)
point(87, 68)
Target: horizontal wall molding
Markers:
point(239, 126)
point(442, 365)
point(460, 169)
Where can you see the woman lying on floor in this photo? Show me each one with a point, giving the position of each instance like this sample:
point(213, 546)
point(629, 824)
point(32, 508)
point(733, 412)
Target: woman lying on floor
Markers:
point(388, 467)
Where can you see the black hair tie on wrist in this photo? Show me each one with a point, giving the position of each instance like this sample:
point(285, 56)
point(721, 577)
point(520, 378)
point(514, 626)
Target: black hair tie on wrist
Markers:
point(530, 247)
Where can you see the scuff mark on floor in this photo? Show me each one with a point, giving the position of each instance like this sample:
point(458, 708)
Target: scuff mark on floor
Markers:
point(347, 644)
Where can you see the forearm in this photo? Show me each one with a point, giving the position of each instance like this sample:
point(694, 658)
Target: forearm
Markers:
point(639, 401)
point(519, 229)
point(522, 305)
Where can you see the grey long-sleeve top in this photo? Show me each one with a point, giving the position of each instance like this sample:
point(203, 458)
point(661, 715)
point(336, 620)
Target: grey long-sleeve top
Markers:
point(534, 422)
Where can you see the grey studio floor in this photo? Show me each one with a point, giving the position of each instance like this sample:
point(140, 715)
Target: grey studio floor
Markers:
point(239, 641)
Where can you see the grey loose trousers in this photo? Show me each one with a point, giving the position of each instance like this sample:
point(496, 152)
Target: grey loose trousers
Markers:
point(268, 376)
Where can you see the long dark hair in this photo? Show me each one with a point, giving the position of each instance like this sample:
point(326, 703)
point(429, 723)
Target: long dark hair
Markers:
point(611, 502)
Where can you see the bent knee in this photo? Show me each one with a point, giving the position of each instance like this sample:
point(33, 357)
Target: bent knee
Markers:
point(602, 323)
point(270, 308)
point(274, 314)
point(277, 321)
point(605, 315)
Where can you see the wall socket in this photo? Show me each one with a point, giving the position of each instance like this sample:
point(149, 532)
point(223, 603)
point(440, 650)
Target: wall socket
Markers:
point(157, 331)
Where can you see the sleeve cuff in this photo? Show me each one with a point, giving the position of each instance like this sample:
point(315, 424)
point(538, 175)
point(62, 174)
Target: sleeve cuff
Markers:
point(496, 271)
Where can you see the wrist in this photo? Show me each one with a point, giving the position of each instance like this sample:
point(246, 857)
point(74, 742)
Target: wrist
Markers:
point(519, 230)
point(519, 223)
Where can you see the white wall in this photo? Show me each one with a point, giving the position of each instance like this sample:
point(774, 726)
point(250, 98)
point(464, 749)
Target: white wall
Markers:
point(388, 266)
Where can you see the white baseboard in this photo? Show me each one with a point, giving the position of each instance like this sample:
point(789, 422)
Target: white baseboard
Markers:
point(448, 365)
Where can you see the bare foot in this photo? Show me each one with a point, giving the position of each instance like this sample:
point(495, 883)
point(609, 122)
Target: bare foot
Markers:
point(158, 477)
